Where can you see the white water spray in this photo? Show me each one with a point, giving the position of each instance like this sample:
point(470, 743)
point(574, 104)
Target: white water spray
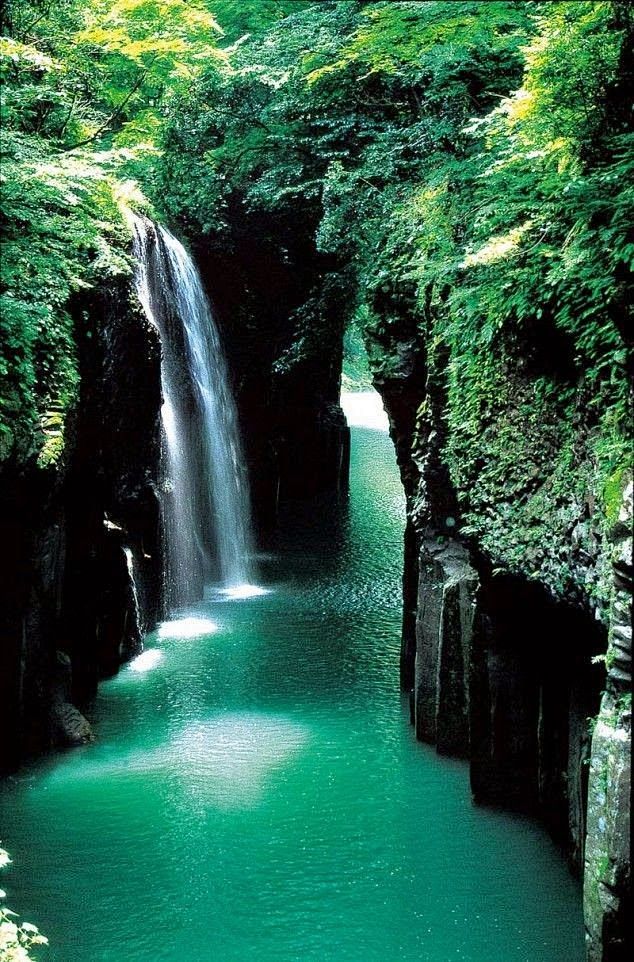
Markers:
point(206, 509)
point(129, 560)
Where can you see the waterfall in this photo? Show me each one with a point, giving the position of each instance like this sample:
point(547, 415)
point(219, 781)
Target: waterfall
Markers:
point(129, 560)
point(205, 496)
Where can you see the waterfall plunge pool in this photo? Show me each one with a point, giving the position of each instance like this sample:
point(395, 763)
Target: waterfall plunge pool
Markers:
point(256, 791)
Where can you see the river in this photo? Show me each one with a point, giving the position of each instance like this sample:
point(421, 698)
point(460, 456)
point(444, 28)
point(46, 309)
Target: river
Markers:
point(256, 791)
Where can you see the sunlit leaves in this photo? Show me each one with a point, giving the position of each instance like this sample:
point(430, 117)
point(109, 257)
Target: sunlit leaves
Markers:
point(477, 155)
point(85, 83)
point(167, 39)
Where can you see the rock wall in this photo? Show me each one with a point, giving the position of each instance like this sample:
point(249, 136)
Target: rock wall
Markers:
point(76, 531)
point(82, 535)
point(113, 529)
point(280, 307)
point(502, 656)
point(607, 878)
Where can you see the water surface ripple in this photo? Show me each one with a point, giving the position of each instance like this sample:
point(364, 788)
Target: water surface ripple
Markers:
point(257, 793)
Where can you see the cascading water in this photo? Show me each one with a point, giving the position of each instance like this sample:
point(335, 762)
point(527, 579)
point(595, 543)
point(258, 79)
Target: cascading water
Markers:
point(136, 607)
point(206, 510)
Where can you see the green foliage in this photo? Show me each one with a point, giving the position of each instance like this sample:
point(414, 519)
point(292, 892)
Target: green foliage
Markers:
point(238, 19)
point(547, 278)
point(84, 84)
point(469, 166)
point(62, 232)
point(613, 489)
point(356, 368)
point(558, 249)
point(16, 938)
point(462, 170)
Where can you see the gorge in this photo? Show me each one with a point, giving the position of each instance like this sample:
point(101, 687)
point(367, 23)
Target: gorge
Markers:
point(216, 579)
point(258, 785)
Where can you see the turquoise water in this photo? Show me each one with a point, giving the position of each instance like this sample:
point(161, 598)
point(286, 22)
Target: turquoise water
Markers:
point(257, 793)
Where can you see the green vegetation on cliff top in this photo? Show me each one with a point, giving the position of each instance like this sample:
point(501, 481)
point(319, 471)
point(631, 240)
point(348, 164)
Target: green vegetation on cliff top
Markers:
point(464, 167)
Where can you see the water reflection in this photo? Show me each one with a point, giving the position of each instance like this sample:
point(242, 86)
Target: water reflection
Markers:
point(226, 761)
point(147, 660)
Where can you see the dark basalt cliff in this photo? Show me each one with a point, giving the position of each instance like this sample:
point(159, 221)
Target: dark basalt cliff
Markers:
point(82, 535)
point(76, 530)
point(517, 580)
point(280, 308)
point(504, 660)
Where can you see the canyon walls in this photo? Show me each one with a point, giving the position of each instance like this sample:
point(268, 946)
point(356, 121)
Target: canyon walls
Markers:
point(82, 548)
point(281, 308)
point(81, 497)
point(517, 597)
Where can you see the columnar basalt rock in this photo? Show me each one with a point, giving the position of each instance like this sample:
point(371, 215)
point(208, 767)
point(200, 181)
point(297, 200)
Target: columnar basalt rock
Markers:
point(533, 687)
point(77, 532)
point(502, 660)
point(111, 490)
point(33, 525)
point(444, 637)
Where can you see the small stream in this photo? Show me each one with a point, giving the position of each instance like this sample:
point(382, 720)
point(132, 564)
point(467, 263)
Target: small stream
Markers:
point(256, 791)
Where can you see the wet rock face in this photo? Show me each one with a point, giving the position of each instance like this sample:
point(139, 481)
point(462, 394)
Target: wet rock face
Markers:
point(76, 532)
point(32, 523)
point(495, 681)
point(111, 490)
point(67, 726)
point(607, 883)
point(533, 689)
point(280, 306)
point(607, 878)
point(501, 659)
point(400, 376)
point(444, 644)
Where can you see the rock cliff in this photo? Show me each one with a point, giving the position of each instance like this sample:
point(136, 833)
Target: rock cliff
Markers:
point(82, 532)
point(517, 589)
point(280, 308)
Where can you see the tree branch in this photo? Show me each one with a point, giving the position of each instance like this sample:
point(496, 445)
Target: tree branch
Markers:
point(68, 115)
point(116, 113)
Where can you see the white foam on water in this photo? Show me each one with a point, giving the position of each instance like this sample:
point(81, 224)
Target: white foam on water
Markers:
point(187, 628)
point(146, 660)
point(234, 592)
point(243, 591)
